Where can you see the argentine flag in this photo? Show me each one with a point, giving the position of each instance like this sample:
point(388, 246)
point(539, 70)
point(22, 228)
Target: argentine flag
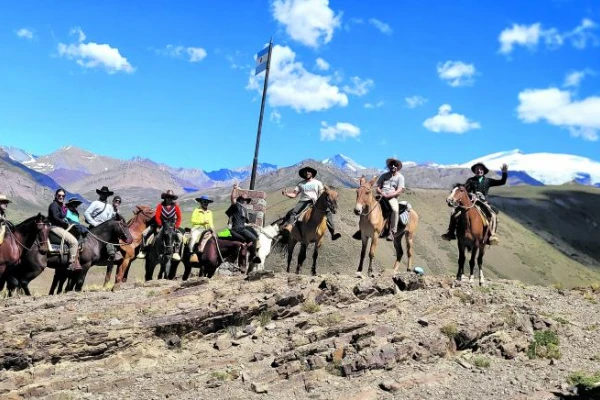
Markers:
point(261, 60)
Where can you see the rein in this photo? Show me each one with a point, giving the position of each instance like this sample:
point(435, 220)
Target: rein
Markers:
point(11, 233)
point(104, 241)
point(374, 207)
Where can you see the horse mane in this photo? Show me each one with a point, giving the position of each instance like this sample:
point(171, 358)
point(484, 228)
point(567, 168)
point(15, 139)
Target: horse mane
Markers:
point(30, 219)
point(457, 185)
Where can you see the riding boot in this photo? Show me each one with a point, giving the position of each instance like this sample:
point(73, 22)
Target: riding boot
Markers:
point(451, 235)
point(493, 240)
point(74, 265)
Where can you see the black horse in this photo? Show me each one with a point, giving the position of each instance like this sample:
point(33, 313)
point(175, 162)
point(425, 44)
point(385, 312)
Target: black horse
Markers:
point(215, 252)
point(93, 252)
point(161, 251)
point(31, 237)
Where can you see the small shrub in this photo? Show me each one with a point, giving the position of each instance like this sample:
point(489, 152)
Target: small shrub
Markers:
point(484, 289)
point(595, 287)
point(558, 286)
point(584, 381)
point(334, 368)
point(561, 320)
point(450, 330)
point(264, 318)
point(481, 362)
point(233, 330)
point(331, 319)
point(151, 293)
point(221, 375)
point(465, 298)
point(544, 345)
point(310, 307)
point(588, 296)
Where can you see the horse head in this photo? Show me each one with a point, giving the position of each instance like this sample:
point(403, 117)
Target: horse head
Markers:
point(168, 235)
point(459, 196)
point(364, 194)
point(43, 232)
point(332, 198)
point(146, 212)
point(122, 230)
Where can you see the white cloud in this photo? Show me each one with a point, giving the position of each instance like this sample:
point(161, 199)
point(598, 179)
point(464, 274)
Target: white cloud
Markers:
point(339, 131)
point(275, 117)
point(529, 36)
point(381, 26)
point(291, 85)
point(94, 55)
point(556, 107)
point(574, 78)
point(445, 121)
point(456, 73)
point(376, 105)
point(310, 22)
point(415, 101)
point(193, 54)
point(25, 33)
point(359, 87)
point(322, 64)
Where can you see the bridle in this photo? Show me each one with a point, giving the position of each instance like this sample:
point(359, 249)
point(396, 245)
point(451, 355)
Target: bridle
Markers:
point(372, 199)
point(37, 236)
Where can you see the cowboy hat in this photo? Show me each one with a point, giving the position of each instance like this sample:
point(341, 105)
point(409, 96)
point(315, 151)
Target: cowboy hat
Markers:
point(104, 190)
point(169, 193)
point(485, 169)
point(306, 169)
point(203, 198)
point(244, 198)
point(73, 201)
point(4, 199)
point(395, 161)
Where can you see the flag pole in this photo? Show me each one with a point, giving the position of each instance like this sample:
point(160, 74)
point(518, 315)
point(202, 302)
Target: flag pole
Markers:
point(260, 119)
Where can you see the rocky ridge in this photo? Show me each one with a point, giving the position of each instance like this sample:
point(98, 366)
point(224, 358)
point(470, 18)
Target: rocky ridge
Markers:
point(293, 336)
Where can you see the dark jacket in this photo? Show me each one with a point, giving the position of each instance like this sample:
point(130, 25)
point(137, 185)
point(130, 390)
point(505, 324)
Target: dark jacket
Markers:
point(473, 184)
point(57, 215)
point(238, 214)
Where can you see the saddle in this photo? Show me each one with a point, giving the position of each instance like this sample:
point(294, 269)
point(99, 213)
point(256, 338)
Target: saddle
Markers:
point(404, 208)
point(204, 238)
point(486, 211)
point(57, 246)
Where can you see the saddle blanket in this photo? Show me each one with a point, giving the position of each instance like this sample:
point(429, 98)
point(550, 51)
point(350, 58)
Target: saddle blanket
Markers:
point(404, 216)
point(206, 235)
point(2, 233)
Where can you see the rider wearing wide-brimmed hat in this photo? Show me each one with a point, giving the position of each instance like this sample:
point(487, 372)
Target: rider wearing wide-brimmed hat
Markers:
point(480, 185)
point(308, 192)
point(390, 185)
point(167, 210)
point(4, 222)
point(73, 214)
point(201, 220)
point(101, 211)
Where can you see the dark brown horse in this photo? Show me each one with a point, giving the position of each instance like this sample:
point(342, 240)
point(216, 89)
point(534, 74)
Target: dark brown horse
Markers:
point(471, 231)
point(93, 252)
point(142, 216)
point(311, 228)
point(214, 254)
point(23, 253)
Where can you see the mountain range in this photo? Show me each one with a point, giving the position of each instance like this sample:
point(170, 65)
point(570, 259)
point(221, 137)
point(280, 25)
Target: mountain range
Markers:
point(30, 177)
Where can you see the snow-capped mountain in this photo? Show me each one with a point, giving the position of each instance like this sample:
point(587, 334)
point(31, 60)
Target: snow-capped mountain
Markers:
point(343, 162)
point(241, 173)
point(18, 155)
point(548, 168)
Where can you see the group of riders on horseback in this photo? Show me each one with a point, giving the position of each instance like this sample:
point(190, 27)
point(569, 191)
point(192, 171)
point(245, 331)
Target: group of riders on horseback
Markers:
point(65, 220)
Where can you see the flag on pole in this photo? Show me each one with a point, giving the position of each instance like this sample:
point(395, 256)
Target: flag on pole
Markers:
point(261, 60)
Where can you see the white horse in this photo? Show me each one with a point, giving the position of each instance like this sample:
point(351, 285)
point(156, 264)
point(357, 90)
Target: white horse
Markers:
point(265, 240)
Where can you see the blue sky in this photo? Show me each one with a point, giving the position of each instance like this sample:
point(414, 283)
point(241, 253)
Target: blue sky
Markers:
point(424, 81)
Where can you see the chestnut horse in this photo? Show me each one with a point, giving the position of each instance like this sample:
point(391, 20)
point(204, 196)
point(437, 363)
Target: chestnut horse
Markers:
point(371, 224)
point(142, 216)
point(311, 228)
point(470, 231)
point(23, 253)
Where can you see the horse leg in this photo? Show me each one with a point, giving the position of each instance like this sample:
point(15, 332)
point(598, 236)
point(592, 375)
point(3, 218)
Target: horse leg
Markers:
point(409, 250)
point(290, 251)
point(363, 251)
point(109, 268)
point(150, 266)
point(315, 256)
point(301, 257)
point(472, 263)
point(399, 252)
point(173, 268)
point(480, 264)
point(461, 262)
point(81, 277)
point(372, 250)
point(187, 269)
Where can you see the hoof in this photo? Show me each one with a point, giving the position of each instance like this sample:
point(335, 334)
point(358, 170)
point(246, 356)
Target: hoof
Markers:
point(116, 287)
point(359, 275)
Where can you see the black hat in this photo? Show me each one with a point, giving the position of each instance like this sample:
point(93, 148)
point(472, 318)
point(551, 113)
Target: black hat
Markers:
point(73, 201)
point(169, 194)
point(393, 161)
point(485, 169)
point(104, 190)
point(306, 169)
point(203, 198)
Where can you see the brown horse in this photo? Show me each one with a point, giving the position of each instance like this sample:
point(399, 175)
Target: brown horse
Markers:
point(471, 231)
point(372, 223)
point(23, 253)
point(311, 228)
point(142, 216)
point(215, 252)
